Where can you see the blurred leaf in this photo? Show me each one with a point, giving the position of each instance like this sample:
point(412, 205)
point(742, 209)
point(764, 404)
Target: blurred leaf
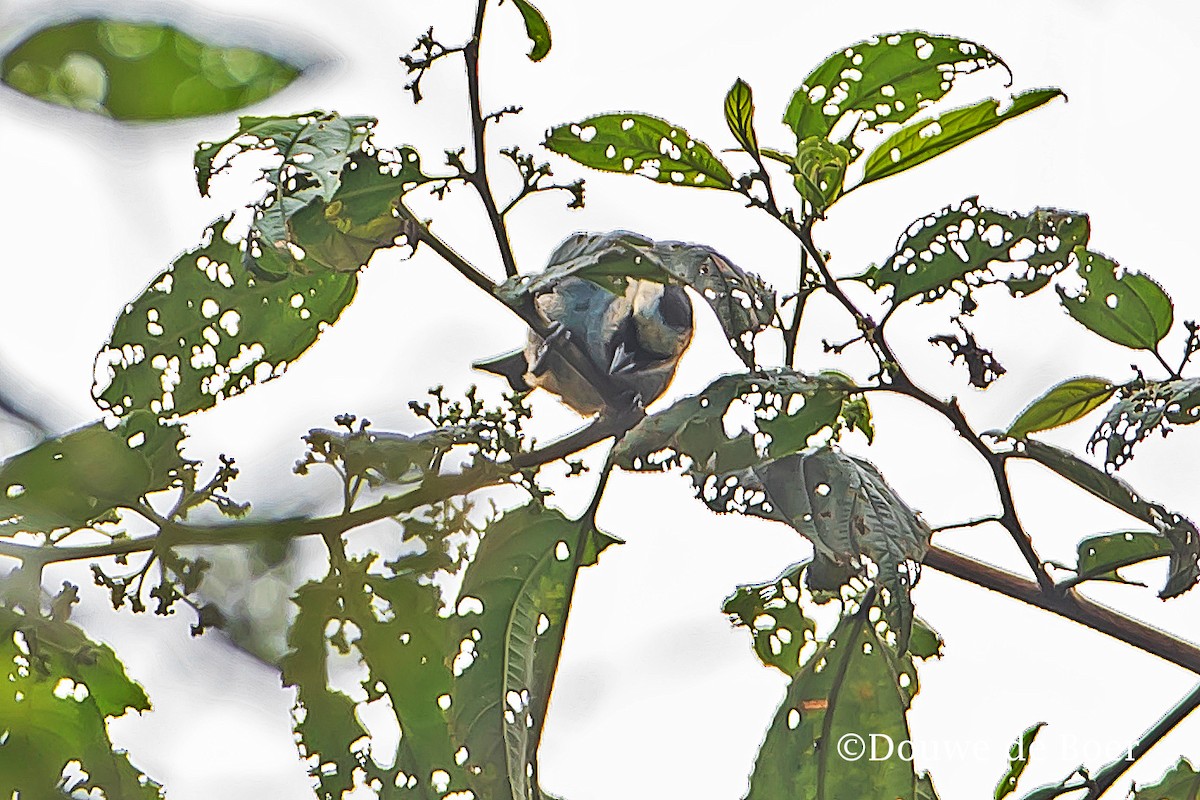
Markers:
point(928, 138)
point(1143, 410)
point(844, 507)
point(1100, 557)
point(82, 476)
point(855, 685)
point(1064, 403)
point(140, 71)
point(511, 615)
point(207, 329)
point(819, 171)
point(1130, 309)
point(788, 407)
point(941, 251)
point(739, 116)
point(1180, 782)
point(535, 28)
point(884, 79)
point(59, 689)
point(742, 301)
point(1184, 568)
point(1018, 759)
point(642, 145)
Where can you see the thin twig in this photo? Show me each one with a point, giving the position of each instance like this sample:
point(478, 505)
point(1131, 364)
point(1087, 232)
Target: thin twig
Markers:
point(478, 175)
point(1070, 605)
point(1111, 773)
point(970, 523)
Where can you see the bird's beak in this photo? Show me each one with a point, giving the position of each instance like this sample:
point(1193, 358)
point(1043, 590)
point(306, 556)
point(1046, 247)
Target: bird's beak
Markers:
point(622, 361)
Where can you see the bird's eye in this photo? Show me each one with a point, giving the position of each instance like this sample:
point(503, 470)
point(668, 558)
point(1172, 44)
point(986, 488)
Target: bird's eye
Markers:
point(676, 308)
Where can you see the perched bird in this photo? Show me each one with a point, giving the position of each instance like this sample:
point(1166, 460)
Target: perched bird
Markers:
point(636, 338)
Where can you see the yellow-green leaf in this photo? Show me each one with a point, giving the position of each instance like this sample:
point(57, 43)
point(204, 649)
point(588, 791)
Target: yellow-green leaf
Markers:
point(1064, 403)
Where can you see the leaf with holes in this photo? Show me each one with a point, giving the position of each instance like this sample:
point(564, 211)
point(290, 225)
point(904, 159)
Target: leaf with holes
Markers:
point(143, 71)
point(643, 145)
point(389, 625)
point(855, 683)
point(1065, 403)
point(1142, 410)
point(775, 618)
point(742, 301)
point(1183, 570)
point(1101, 557)
point(81, 477)
point(739, 115)
point(59, 690)
point(917, 143)
point(1129, 309)
point(1180, 782)
point(942, 251)
point(511, 619)
point(333, 196)
point(789, 408)
point(207, 329)
point(1018, 760)
point(886, 78)
point(844, 507)
point(535, 28)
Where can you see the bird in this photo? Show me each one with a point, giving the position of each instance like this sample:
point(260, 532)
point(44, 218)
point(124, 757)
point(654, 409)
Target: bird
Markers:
point(636, 337)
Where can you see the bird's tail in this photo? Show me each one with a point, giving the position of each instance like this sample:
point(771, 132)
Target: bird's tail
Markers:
point(511, 366)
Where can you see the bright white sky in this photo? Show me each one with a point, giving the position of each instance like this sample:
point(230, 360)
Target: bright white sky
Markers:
point(657, 695)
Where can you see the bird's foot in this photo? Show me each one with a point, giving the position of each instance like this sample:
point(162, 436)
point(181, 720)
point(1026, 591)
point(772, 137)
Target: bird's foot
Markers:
point(558, 333)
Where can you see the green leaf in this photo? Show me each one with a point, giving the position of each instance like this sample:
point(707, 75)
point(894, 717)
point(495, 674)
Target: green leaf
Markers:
point(315, 146)
point(1100, 557)
point(59, 688)
point(739, 116)
point(789, 408)
point(390, 626)
point(535, 28)
point(884, 79)
point(854, 685)
point(844, 507)
point(949, 248)
point(1066, 402)
point(819, 171)
point(1183, 571)
point(1130, 309)
point(207, 329)
point(333, 199)
point(1018, 759)
point(743, 302)
point(75, 479)
point(140, 71)
point(776, 620)
point(643, 145)
point(917, 143)
point(1141, 411)
point(1180, 782)
point(511, 618)
point(925, 642)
